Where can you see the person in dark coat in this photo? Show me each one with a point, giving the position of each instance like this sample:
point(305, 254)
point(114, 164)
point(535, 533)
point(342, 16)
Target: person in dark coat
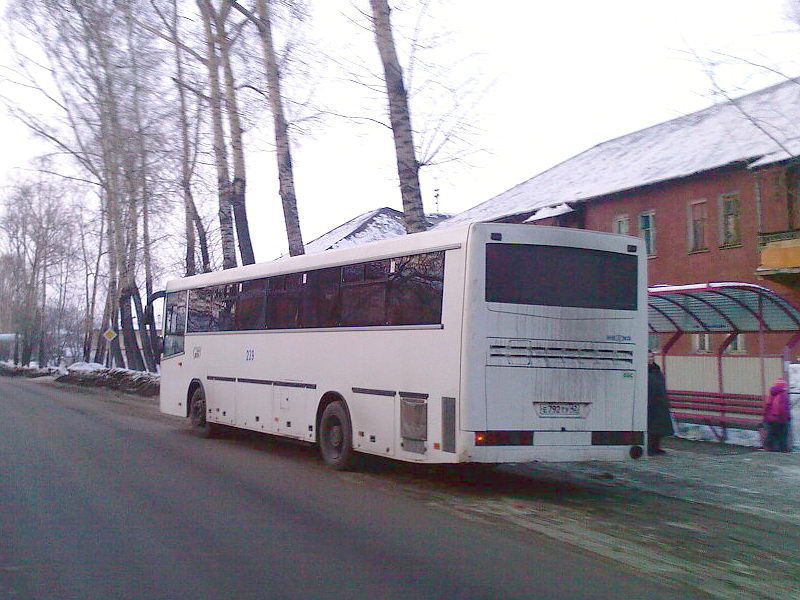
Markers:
point(659, 421)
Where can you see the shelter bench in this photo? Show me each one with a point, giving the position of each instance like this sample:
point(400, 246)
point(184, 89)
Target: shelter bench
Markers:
point(739, 411)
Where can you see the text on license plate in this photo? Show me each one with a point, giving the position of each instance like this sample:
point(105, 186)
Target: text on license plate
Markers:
point(558, 409)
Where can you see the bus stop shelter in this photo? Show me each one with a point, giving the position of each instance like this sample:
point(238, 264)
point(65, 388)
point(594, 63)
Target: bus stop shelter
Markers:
point(727, 308)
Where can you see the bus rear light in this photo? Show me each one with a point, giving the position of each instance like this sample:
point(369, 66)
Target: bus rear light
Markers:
point(617, 438)
point(503, 438)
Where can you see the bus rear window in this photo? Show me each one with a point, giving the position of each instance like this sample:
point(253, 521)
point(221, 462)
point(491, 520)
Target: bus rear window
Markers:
point(560, 276)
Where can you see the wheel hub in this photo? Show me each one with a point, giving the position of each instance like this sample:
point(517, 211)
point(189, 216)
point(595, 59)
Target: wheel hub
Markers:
point(336, 436)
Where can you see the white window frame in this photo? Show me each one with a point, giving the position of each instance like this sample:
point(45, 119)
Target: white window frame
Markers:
point(723, 239)
point(690, 231)
point(737, 345)
point(701, 342)
point(621, 224)
point(650, 243)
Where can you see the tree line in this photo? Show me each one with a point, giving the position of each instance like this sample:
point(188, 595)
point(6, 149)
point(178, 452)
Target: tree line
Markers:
point(145, 104)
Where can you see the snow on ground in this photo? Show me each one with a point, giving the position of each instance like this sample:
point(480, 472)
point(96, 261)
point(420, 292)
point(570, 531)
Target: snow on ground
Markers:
point(126, 380)
point(85, 366)
point(705, 433)
point(92, 375)
point(10, 370)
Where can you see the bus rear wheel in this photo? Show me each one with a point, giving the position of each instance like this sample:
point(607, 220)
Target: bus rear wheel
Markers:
point(336, 437)
point(197, 415)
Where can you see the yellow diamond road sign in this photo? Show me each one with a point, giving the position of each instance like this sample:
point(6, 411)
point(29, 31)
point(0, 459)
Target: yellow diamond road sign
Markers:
point(109, 334)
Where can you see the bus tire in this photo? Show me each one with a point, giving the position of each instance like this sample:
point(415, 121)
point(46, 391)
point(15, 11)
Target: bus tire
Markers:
point(336, 437)
point(197, 415)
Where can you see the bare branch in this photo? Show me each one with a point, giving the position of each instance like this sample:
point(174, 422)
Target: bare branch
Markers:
point(192, 89)
point(735, 102)
point(171, 40)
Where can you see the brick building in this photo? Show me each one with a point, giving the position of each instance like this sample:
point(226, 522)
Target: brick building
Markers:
point(714, 192)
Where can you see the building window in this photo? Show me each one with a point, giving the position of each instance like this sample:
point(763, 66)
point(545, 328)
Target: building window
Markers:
point(737, 345)
point(697, 226)
point(621, 224)
point(702, 342)
point(647, 231)
point(729, 220)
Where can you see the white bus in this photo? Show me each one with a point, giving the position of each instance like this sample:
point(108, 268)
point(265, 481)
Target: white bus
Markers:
point(490, 343)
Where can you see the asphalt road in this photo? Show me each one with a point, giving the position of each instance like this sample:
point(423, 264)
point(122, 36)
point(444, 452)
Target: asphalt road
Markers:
point(103, 499)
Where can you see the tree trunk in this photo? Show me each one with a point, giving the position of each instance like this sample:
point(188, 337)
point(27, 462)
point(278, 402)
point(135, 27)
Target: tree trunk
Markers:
point(220, 153)
point(400, 117)
point(239, 183)
point(186, 171)
point(142, 183)
point(144, 326)
point(117, 359)
point(42, 351)
point(100, 349)
point(91, 297)
point(283, 152)
point(201, 237)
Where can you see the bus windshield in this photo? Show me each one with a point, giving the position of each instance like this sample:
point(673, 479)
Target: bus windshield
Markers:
point(560, 276)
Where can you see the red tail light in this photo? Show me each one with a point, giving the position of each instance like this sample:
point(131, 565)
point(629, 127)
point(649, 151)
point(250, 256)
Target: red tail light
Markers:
point(503, 438)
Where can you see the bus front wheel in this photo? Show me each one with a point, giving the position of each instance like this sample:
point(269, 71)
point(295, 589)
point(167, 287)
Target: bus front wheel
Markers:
point(197, 415)
point(336, 437)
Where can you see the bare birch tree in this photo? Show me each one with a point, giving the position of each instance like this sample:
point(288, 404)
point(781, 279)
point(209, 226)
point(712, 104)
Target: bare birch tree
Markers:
point(97, 67)
point(400, 118)
point(195, 229)
point(283, 154)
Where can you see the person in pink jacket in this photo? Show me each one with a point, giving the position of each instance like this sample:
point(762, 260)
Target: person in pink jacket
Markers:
point(777, 414)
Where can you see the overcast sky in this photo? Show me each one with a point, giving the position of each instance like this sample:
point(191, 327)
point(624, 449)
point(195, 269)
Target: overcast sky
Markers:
point(560, 78)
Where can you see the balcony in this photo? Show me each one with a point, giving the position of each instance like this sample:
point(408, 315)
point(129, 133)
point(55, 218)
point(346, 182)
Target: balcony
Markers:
point(780, 256)
point(778, 236)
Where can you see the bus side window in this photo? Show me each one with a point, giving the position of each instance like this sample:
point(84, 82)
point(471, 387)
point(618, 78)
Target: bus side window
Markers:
point(415, 289)
point(175, 323)
point(200, 313)
point(251, 305)
point(226, 296)
point(283, 301)
point(321, 301)
point(364, 293)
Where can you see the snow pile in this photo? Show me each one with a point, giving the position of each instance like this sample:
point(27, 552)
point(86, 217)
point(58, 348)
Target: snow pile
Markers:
point(92, 374)
point(705, 433)
point(11, 370)
point(85, 366)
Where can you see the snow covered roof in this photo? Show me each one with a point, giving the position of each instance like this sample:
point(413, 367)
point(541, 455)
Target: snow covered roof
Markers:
point(549, 211)
point(757, 129)
point(379, 224)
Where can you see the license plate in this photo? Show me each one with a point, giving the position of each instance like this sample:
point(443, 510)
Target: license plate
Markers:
point(558, 409)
